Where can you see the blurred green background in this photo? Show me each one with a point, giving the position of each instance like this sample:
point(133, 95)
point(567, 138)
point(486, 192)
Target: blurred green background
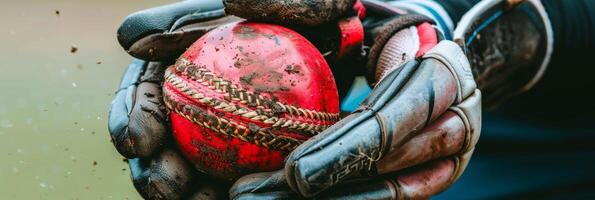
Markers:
point(54, 142)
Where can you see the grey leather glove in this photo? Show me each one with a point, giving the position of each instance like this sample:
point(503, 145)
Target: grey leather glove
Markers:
point(411, 138)
point(415, 133)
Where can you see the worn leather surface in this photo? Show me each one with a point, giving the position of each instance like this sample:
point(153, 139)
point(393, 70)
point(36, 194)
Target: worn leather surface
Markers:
point(405, 102)
point(509, 44)
point(267, 185)
point(165, 176)
point(432, 146)
point(163, 33)
point(291, 12)
point(453, 58)
point(508, 56)
point(139, 129)
point(122, 104)
point(163, 18)
point(417, 183)
point(170, 44)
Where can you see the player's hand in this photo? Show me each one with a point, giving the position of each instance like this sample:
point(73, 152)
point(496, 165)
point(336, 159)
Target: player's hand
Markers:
point(411, 138)
point(138, 122)
point(161, 34)
point(414, 135)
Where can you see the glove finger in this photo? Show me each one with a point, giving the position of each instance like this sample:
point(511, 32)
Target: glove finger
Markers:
point(363, 189)
point(431, 178)
point(280, 195)
point(171, 44)
point(207, 192)
point(165, 176)
point(147, 129)
point(292, 12)
point(444, 137)
point(403, 103)
point(419, 183)
point(266, 185)
point(206, 188)
point(455, 132)
point(123, 103)
point(161, 19)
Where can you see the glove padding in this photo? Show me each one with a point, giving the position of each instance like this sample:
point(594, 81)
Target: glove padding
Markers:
point(139, 130)
point(136, 120)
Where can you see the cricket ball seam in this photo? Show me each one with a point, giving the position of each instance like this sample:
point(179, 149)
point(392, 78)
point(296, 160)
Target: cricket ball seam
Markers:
point(230, 128)
point(218, 84)
point(175, 80)
point(229, 107)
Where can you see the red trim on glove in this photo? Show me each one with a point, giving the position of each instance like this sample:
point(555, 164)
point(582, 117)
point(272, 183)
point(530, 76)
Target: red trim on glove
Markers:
point(427, 38)
point(352, 36)
point(360, 9)
point(352, 31)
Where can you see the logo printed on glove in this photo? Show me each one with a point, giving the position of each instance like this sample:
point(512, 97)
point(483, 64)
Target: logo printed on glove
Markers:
point(245, 95)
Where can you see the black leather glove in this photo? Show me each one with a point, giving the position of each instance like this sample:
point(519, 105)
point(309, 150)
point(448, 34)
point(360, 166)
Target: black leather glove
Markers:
point(138, 119)
point(138, 122)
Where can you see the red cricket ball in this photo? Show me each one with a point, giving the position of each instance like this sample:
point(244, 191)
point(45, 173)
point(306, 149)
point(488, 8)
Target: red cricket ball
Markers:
point(245, 95)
